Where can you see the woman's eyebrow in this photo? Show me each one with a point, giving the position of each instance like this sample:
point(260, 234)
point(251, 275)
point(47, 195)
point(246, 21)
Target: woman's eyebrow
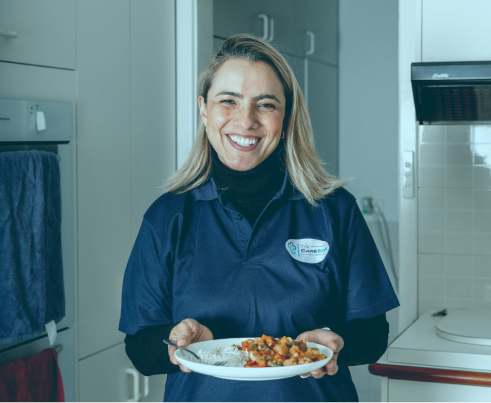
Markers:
point(234, 94)
point(266, 96)
point(239, 95)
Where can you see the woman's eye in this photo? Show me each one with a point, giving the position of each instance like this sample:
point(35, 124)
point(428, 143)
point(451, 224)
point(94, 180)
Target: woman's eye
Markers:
point(267, 106)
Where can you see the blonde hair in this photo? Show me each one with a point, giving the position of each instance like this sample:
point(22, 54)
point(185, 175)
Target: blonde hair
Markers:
point(302, 162)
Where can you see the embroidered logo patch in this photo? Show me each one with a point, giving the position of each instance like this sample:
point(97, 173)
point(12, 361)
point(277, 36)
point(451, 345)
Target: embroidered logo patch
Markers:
point(307, 250)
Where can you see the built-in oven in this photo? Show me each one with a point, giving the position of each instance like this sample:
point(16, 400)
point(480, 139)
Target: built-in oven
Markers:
point(48, 126)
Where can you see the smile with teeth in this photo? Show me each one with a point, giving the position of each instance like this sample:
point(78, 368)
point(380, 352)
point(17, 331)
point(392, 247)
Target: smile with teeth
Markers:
point(242, 141)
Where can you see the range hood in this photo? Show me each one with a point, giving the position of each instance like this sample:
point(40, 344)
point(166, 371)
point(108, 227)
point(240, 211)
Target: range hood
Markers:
point(452, 93)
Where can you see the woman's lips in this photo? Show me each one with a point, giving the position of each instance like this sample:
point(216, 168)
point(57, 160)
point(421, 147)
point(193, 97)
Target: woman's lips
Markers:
point(243, 148)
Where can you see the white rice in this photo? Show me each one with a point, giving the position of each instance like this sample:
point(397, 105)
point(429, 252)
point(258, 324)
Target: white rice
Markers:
point(234, 356)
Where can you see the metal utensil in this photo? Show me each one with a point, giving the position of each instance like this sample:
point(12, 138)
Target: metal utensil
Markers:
point(170, 343)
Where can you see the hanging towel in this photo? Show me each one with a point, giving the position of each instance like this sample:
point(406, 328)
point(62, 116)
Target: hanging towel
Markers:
point(34, 379)
point(31, 270)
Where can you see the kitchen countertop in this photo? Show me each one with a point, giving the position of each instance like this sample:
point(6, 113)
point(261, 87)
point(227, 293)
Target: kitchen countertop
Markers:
point(419, 354)
point(420, 346)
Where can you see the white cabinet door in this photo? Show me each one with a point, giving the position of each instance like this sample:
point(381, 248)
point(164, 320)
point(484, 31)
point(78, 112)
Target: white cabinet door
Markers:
point(104, 168)
point(45, 32)
point(126, 146)
point(237, 17)
point(321, 18)
point(455, 30)
point(153, 106)
point(292, 18)
point(322, 98)
point(413, 391)
point(103, 378)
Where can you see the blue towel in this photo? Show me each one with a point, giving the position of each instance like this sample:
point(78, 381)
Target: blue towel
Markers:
point(31, 269)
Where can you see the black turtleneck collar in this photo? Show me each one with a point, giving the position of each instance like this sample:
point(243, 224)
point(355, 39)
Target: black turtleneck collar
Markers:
point(250, 191)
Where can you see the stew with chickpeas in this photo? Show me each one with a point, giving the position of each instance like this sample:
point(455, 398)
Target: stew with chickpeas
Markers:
point(266, 351)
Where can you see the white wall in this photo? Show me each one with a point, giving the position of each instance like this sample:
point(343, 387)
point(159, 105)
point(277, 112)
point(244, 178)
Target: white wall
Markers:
point(368, 90)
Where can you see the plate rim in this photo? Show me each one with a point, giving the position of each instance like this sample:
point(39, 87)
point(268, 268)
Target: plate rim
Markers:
point(259, 373)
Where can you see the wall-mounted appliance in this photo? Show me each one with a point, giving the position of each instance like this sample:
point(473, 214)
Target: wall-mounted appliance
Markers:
point(452, 92)
point(48, 126)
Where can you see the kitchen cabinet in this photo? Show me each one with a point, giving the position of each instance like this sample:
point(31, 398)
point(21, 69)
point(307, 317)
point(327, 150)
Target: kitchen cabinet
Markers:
point(114, 68)
point(124, 152)
point(46, 32)
point(412, 391)
point(322, 100)
point(237, 17)
point(117, 385)
point(126, 148)
point(104, 168)
point(291, 21)
point(321, 18)
point(453, 30)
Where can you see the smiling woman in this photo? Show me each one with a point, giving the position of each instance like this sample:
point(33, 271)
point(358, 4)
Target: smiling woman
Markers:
point(254, 237)
point(251, 95)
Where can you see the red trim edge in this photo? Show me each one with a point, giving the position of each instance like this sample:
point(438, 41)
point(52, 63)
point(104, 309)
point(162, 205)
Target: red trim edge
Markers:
point(431, 374)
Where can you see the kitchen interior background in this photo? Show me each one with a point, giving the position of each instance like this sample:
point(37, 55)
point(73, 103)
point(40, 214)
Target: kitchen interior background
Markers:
point(117, 63)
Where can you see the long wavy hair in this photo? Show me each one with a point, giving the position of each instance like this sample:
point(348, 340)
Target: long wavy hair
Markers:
point(302, 162)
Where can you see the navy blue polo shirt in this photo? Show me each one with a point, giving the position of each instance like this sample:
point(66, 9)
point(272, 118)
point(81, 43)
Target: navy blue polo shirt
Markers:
point(299, 268)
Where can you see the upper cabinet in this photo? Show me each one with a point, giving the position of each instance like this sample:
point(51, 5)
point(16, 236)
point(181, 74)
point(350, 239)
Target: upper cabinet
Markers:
point(455, 30)
point(41, 33)
point(300, 28)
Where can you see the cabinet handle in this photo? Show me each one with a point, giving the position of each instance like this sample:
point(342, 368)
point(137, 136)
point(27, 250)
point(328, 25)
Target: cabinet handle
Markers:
point(8, 34)
point(265, 19)
point(136, 384)
point(271, 30)
point(311, 36)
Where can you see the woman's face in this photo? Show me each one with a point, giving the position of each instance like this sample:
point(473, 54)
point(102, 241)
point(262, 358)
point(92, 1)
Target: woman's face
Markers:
point(244, 113)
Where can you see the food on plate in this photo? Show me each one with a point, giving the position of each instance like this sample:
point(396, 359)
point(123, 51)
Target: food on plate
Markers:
point(233, 356)
point(266, 351)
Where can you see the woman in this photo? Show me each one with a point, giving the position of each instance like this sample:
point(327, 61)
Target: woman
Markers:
point(253, 238)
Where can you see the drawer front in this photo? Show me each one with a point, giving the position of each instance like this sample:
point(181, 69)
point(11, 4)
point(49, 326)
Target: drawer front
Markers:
point(103, 378)
point(46, 32)
point(413, 391)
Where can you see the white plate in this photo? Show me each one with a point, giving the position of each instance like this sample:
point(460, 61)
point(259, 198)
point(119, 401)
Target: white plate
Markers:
point(248, 374)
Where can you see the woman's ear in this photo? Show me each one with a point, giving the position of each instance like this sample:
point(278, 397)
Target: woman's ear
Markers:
point(203, 112)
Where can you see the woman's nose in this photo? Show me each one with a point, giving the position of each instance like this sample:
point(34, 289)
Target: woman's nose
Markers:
point(246, 118)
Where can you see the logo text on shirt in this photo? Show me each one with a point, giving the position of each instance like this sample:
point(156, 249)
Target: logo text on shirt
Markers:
point(307, 250)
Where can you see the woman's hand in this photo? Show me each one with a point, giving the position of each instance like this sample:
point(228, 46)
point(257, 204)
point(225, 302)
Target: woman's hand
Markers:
point(183, 334)
point(329, 339)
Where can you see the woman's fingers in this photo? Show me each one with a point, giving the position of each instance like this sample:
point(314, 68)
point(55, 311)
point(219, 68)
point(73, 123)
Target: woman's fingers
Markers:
point(332, 365)
point(329, 339)
point(183, 334)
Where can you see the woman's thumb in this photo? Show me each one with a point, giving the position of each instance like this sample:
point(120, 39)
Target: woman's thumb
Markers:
point(183, 334)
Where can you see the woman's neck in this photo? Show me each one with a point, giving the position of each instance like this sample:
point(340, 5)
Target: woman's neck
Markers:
point(250, 191)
